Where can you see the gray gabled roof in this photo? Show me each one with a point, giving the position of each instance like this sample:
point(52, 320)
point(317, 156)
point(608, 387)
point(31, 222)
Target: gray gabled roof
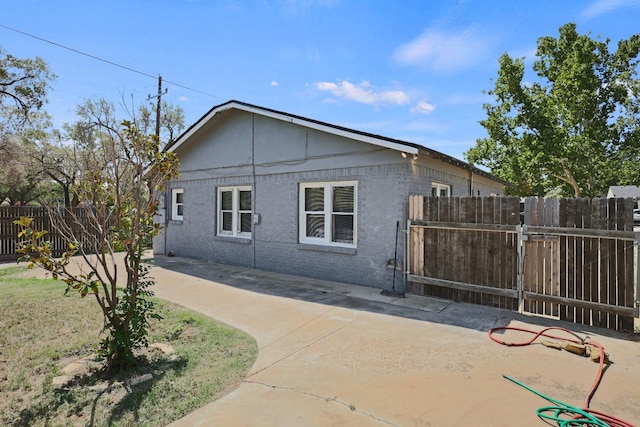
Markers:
point(382, 141)
point(625, 191)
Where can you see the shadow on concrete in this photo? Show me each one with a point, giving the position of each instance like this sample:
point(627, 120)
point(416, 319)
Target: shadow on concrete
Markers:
point(470, 316)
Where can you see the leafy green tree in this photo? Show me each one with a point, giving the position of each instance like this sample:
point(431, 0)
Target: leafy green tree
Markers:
point(18, 183)
point(575, 127)
point(171, 120)
point(23, 91)
point(23, 85)
point(61, 155)
point(56, 159)
point(21, 179)
point(62, 152)
point(118, 185)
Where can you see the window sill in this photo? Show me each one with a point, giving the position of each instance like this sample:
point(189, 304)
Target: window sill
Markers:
point(176, 221)
point(331, 249)
point(232, 239)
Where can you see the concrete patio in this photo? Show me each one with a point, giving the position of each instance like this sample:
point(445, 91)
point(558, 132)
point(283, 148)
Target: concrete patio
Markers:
point(340, 355)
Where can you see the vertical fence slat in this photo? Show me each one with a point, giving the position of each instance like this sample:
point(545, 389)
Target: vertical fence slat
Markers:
point(75, 218)
point(628, 297)
point(574, 267)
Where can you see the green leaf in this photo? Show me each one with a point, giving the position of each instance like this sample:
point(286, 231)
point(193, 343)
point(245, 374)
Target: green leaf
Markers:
point(571, 126)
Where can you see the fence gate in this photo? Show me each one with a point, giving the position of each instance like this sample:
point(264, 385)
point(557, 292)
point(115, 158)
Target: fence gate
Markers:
point(573, 259)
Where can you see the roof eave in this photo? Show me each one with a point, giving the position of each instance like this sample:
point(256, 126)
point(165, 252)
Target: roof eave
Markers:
point(380, 141)
point(293, 120)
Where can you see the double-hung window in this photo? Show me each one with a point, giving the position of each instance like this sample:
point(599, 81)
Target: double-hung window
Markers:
point(177, 204)
point(234, 211)
point(440, 190)
point(328, 214)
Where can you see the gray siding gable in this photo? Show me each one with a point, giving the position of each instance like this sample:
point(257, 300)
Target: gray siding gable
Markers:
point(244, 143)
point(218, 113)
point(215, 112)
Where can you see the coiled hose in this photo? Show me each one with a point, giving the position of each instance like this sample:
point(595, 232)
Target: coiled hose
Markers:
point(563, 414)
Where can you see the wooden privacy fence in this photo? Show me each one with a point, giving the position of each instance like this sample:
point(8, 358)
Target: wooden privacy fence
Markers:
point(9, 230)
point(573, 259)
point(41, 221)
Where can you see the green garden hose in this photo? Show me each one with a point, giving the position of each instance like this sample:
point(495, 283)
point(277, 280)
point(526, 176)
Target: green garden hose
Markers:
point(563, 414)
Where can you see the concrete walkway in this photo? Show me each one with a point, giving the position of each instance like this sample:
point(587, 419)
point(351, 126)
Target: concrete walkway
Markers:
point(339, 355)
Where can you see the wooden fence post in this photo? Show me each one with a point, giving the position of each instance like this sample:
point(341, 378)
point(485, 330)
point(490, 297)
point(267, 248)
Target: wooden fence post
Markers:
point(636, 293)
point(522, 229)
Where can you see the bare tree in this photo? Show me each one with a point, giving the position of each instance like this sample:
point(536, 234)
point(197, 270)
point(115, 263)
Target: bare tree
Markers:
point(118, 185)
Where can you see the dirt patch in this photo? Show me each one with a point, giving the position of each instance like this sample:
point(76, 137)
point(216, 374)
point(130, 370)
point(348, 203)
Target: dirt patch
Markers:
point(91, 372)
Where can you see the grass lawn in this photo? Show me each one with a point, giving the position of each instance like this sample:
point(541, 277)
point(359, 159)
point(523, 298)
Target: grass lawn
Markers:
point(42, 330)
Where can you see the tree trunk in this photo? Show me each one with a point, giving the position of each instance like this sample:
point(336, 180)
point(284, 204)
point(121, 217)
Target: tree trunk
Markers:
point(568, 177)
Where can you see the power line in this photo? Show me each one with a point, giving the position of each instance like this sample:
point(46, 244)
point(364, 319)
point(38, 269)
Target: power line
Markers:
point(106, 61)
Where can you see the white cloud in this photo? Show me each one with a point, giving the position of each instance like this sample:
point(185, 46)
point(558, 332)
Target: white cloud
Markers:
point(363, 93)
point(444, 51)
point(423, 107)
point(601, 7)
point(274, 83)
point(183, 99)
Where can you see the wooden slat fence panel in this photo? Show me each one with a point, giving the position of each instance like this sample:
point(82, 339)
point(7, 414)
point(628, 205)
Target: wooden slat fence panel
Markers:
point(578, 255)
point(42, 221)
point(481, 257)
point(9, 230)
point(469, 246)
point(594, 269)
point(542, 255)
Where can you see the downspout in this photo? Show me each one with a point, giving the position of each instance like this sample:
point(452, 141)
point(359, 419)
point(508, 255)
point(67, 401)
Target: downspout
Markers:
point(254, 183)
point(470, 183)
point(405, 245)
point(165, 197)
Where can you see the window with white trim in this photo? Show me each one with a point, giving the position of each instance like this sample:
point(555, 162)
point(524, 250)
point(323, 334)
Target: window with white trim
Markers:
point(234, 211)
point(328, 214)
point(440, 190)
point(177, 204)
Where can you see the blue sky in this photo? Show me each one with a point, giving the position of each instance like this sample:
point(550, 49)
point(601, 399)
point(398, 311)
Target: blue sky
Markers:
point(412, 70)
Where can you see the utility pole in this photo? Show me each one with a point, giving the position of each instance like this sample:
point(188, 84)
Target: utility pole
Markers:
point(159, 96)
point(158, 105)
